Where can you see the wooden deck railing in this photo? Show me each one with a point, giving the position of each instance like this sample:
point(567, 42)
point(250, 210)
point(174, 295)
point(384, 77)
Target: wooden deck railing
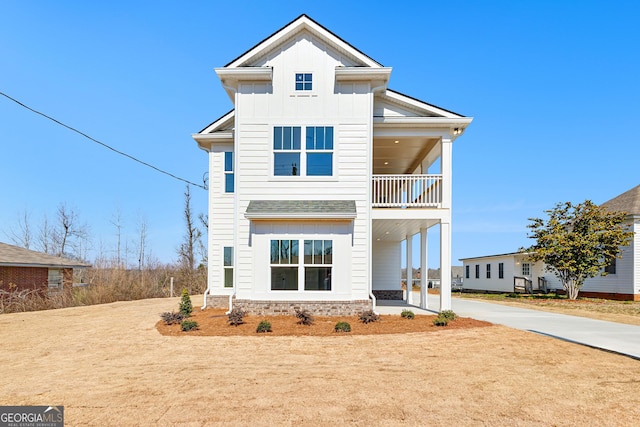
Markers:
point(406, 191)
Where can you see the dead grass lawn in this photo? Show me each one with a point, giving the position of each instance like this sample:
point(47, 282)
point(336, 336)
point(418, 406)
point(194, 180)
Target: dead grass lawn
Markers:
point(109, 365)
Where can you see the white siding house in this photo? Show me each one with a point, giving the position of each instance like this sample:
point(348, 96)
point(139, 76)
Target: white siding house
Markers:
point(318, 174)
point(622, 280)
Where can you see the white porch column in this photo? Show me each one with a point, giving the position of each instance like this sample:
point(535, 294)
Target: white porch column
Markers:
point(424, 269)
point(445, 266)
point(445, 165)
point(409, 298)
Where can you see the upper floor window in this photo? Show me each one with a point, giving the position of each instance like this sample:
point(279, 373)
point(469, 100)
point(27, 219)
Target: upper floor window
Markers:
point(286, 150)
point(319, 150)
point(228, 172)
point(304, 81)
point(291, 158)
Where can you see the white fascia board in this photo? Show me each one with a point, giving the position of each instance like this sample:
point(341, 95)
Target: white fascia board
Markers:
point(304, 22)
point(362, 74)
point(207, 139)
point(253, 74)
point(423, 121)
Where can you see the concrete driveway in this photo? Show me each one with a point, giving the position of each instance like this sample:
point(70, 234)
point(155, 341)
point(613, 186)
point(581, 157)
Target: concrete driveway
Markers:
point(610, 336)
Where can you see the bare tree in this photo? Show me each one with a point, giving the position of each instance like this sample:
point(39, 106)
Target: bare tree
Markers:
point(186, 251)
point(69, 234)
point(142, 242)
point(116, 220)
point(44, 236)
point(21, 234)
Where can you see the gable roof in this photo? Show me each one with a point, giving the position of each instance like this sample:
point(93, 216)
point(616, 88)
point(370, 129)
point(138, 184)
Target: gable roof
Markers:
point(301, 23)
point(14, 256)
point(628, 202)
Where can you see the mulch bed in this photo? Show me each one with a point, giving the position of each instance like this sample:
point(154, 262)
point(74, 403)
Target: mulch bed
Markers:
point(213, 322)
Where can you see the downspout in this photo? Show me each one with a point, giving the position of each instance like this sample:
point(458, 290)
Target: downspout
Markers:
point(235, 201)
point(370, 161)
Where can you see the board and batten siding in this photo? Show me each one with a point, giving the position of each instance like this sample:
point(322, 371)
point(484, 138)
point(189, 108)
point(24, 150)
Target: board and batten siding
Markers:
point(386, 274)
point(262, 106)
point(221, 225)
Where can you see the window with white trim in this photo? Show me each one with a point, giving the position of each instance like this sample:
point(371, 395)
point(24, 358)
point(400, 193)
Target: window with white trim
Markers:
point(314, 158)
point(304, 81)
point(228, 172)
point(466, 272)
point(488, 271)
point(318, 259)
point(526, 269)
point(286, 150)
point(319, 147)
point(284, 265)
point(311, 272)
point(477, 271)
point(228, 267)
point(501, 270)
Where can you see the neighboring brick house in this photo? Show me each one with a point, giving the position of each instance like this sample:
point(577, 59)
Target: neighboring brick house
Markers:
point(22, 268)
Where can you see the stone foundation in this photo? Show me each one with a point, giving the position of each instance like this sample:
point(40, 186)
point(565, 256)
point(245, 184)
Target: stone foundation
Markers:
point(218, 301)
point(317, 308)
point(389, 294)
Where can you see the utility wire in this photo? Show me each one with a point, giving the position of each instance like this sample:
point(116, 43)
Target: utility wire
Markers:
point(101, 143)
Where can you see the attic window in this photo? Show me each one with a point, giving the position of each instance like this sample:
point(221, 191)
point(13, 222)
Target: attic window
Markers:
point(304, 81)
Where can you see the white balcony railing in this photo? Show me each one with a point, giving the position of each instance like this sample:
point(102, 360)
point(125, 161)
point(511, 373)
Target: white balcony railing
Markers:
point(407, 191)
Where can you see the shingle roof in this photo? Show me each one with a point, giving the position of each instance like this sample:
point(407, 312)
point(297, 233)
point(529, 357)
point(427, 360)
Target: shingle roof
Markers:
point(301, 209)
point(14, 256)
point(628, 202)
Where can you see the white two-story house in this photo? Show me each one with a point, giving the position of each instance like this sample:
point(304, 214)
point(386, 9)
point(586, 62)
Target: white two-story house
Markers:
point(317, 176)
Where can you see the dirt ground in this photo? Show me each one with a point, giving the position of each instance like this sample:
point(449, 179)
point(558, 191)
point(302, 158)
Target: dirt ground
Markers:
point(109, 365)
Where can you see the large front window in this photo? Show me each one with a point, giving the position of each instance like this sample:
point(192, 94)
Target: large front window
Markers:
point(291, 158)
point(287, 267)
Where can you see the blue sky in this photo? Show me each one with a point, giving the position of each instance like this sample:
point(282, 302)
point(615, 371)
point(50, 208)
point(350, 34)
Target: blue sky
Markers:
point(552, 86)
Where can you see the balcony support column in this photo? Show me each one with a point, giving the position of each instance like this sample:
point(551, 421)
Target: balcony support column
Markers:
point(409, 298)
point(424, 269)
point(445, 266)
point(446, 172)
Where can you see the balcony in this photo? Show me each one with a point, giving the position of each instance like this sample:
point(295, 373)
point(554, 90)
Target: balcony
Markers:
point(407, 191)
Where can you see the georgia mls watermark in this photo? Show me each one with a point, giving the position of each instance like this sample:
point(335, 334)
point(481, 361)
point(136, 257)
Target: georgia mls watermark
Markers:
point(31, 416)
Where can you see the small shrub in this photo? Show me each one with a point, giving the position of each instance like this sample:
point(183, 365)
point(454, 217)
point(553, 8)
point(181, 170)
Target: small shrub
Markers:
point(440, 321)
point(189, 325)
point(448, 314)
point(236, 317)
point(172, 317)
point(304, 317)
point(263, 326)
point(186, 308)
point(407, 314)
point(368, 316)
point(342, 327)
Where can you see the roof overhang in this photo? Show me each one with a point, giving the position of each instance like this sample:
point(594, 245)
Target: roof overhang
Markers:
point(43, 265)
point(377, 76)
point(231, 77)
point(301, 210)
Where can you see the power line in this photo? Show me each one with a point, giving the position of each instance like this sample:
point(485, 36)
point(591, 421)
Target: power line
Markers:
point(101, 143)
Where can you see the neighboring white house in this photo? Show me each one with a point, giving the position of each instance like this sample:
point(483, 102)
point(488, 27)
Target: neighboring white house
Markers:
point(503, 273)
point(317, 176)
